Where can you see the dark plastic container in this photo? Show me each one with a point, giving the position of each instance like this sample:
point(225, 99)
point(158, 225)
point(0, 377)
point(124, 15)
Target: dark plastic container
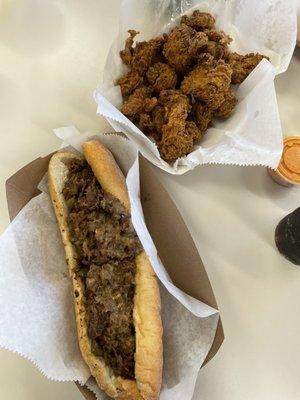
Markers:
point(287, 236)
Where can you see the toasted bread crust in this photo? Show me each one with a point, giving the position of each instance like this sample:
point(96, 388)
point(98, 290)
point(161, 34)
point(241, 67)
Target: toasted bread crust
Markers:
point(146, 313)
point(106, 170)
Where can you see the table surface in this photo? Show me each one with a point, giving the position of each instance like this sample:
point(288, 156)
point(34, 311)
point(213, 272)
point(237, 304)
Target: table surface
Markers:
point(52, 54)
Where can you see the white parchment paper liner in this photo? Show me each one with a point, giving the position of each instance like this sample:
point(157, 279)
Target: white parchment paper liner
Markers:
point(252, 135)
point(36, 300)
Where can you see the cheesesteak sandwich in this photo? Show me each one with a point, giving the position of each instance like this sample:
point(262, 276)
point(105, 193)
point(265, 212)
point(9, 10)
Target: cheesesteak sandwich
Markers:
point(116, 295)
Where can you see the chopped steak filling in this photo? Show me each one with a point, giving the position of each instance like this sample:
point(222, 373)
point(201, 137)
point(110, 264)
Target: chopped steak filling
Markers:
point(106, 246)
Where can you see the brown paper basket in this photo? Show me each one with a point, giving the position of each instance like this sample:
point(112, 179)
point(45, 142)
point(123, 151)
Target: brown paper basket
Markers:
point(164, 223)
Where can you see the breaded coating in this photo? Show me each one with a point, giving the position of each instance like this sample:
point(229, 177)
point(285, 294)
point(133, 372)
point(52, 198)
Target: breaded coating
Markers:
point(199, 20)
point(150, 104)
point(176, 107)
point(129, 82)
point(175, 142)
point(218, 36)
point(203, 58)
point(167, 95)
point(161, 76)
point(158, 118)
point(217, 50)
point(202, 115)
point(243, 65)
point(140, 57)
point(177, 146)
point(139, 102)
point(217, 44)
point(182, 45)
point(126, 54)
point(193, 130)
point(145, 54)
point(156, 136)
point(227, 106)
point(145, 123)
point(148, 126)
point(208, 83)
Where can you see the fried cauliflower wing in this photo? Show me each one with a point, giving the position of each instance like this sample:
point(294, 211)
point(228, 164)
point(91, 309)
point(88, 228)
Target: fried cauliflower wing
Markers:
point(202, 116)
point(149, 125)
point(165, 96)
point(145, 54)
point(199, 20)
point(158, 118)
point(243, 65)
point(139, 102)
point(193, 130)
point(226, 108)
point(161, 77)
point(176, 141)
point(129, 82)
point(177, 146)
point(217, 44)
point(176, 106)
point(182, 45)
point(126, 53)
point(218, 36)
point(208, 83)
point(145, 123)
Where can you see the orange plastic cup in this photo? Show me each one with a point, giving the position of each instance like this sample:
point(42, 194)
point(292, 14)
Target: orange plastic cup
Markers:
point(288, 170)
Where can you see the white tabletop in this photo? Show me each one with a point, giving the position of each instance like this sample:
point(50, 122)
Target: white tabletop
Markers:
point(52, 53)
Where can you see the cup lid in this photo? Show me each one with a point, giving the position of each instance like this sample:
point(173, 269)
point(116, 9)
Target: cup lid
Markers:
point(289, 165)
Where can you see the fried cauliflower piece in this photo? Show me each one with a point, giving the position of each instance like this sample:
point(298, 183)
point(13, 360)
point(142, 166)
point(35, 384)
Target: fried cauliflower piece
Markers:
point(129, 82)
point(182, 45)
point(140, 57)
point(176, 142)
point(202, 116)
point(126, 53)
point(199, 20)
point(139, 102)
point(145, 123)
point(145, 54)
point(161, 77)
point(218, 36)
point(217, 44)
point(208, 83)
point(165, 96)
point(193, 130)
point(173, 147)
point(243, 65)
point(176, 106)
point(158, 118)
point(226, 108)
